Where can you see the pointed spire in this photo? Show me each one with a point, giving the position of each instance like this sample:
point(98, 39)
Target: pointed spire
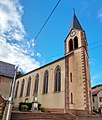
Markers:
point(75, 22)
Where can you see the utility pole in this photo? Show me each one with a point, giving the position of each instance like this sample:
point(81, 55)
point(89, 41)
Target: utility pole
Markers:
point(11, 94)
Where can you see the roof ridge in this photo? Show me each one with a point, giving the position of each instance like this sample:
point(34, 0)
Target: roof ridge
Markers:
point(7, 63)
point(6, 69)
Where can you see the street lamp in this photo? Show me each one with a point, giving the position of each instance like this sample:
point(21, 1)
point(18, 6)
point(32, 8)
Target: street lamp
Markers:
point(11, 94)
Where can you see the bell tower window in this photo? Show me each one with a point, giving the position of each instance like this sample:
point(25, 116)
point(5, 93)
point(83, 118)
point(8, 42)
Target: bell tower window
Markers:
point(75, 43)
point(70, 45)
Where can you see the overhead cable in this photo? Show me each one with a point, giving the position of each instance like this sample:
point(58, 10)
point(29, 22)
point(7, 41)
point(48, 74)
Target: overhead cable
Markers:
point(47, 19)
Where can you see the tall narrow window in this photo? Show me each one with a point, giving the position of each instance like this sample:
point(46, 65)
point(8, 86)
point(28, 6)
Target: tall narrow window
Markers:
point(70, 45)
point(75, 43)
point(100, 99)
point(71, 98)
point(16, 92)
point(28, 87)
point(57, 79)
point(22, 88)
point(36, 84)
point(93, 99)
point(70, 77)
point(45, 88)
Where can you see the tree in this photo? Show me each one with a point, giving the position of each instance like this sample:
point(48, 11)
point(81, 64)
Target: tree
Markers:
point(19, 74)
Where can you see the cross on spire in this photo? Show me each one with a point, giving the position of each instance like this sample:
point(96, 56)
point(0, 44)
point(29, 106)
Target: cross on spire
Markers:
point(75, 22)
point(74, 10)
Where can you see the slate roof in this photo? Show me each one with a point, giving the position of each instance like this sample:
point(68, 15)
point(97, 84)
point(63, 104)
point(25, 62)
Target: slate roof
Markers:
point(75, 23)
point(96, 90)
point(7, 69)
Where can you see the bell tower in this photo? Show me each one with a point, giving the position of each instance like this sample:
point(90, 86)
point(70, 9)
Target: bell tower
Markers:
point(77, 80)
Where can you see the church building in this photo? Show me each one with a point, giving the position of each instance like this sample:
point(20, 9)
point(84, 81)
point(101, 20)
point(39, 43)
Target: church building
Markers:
point(64, 84)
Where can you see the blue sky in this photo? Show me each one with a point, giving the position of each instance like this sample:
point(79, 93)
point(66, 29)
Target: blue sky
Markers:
point(17, 32)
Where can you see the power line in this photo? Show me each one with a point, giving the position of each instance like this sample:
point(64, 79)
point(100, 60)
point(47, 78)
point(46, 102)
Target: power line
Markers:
point(95, 42)
point(46, 22)
point(51, 57)
point(95, 47)
point(54, 55)
point(47, 19)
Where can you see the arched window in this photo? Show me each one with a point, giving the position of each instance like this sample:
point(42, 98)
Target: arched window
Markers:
point(71, 98)
point(70, 45)
point(28, 87)
point(36, 84)
point(16, 92)
point(57, 79)
point(22, 88)
point(45, 88)
point(75, 43)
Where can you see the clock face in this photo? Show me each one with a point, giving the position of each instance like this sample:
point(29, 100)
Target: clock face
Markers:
point(72, 33)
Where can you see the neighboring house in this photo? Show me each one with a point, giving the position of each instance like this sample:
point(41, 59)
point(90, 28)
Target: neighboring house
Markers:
point(63, 84)
point(6, 77)
point(2, 105)
point(97, 97)
point(1, 99)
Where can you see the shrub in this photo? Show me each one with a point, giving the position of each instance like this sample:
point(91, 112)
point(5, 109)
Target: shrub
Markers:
point(24, 107)
point(42, 108)
point(29, 105)
point(24, 103)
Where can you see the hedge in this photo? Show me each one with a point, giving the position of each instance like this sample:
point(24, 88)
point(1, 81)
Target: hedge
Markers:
point(29, 105)
point(24, 103)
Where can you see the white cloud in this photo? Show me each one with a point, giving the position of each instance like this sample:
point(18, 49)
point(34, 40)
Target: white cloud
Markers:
point(33, 42)
point(14, 47)
point(10, 20)
point(100, 14)
point(15, 55)
point(38, 55)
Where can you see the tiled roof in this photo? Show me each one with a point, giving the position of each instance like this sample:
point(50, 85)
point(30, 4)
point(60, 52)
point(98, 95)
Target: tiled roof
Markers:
point(75, 23)
point(96, 90)
point(7, 69)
